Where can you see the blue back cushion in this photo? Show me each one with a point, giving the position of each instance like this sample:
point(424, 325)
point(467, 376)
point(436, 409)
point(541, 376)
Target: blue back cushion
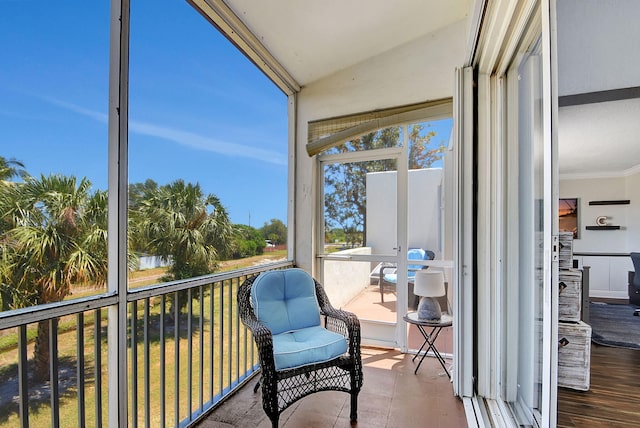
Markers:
point(415, 254)
point(285, 300)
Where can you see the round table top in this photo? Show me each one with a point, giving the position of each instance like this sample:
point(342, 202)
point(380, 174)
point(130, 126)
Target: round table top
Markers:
point(445, 321)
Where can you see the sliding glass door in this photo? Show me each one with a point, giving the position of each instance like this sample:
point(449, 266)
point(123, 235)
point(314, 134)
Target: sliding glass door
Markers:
point(528, 315)
point(361, 187)
point(383, 201)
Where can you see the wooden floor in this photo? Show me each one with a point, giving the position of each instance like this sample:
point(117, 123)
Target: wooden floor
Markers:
point(613, 399)
point(392, 396)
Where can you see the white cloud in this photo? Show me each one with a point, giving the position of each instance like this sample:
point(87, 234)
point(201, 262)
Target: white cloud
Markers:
point(185, 138)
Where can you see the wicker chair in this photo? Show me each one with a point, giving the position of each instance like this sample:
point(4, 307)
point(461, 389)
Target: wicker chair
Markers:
point(385, 279)
point(276, 301)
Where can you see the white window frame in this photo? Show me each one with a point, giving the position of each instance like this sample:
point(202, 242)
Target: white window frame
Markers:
point(504, 30)
point(407, 116)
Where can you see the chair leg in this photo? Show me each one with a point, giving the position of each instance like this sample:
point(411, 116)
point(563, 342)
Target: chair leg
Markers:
point(274, 421)
point(354, 407)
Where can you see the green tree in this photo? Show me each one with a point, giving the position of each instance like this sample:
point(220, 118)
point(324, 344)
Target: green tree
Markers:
point(57, 238)
point(423, 154)
point(334, 235)
point(345, 183)
point(185, 227)
point(138, 193)
point(247, 242)
point(11, 168)
point(275, 231)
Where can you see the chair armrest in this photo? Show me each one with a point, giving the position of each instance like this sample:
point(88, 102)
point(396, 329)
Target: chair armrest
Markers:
point(261, 333)
point(383, 268)
point(262, 336)
point(340, 321)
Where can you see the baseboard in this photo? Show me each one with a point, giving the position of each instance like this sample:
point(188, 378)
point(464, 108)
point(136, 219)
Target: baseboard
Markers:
point(609, 294)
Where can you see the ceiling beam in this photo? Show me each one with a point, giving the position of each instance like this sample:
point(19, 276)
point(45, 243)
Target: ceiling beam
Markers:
point(599, 97)
point(234, 29)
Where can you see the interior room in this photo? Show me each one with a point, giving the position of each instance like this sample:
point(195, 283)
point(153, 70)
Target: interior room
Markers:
point(599, 167)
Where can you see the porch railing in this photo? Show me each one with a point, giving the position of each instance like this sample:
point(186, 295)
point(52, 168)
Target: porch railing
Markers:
point(187, 351)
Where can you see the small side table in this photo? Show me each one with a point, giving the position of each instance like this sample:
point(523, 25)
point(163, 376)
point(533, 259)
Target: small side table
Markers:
point(429, 338)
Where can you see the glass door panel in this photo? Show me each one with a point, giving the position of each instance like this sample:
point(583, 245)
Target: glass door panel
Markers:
point(428, 144)
point(383, 203)
point(524, 338)
point(360, 239)
point(359, 251)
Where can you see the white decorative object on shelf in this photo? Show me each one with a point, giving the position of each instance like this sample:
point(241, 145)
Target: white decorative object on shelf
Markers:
point(602, 220)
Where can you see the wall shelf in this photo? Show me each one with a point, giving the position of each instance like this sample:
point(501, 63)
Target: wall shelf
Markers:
point(616, 202)
point(603, 227)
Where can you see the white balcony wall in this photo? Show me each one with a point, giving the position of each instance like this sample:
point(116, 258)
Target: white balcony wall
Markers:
point(344, 280)
point(418, 71)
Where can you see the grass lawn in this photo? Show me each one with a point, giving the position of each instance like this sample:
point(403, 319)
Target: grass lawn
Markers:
point(220, 340)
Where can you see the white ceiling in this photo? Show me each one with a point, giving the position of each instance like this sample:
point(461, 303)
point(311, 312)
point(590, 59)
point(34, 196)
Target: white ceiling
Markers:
point(597, 51)
point(599, 139)
point(314, 39)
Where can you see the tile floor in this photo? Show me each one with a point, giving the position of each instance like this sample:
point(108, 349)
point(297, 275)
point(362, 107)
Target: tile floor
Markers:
point(391, 397)
point(367, 306)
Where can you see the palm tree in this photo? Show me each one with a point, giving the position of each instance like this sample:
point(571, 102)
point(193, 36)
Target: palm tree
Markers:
point(58, 238)
point(11, 168)
point(185, 227)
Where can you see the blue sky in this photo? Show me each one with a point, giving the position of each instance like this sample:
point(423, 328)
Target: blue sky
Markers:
point(199, 110)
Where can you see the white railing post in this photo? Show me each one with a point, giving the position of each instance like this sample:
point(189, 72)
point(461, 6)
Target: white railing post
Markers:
point(117, 229)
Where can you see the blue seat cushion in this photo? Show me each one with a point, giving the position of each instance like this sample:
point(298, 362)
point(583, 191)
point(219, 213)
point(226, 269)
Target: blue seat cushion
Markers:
point(391, 277)
point(285, 300)
point(306, 346)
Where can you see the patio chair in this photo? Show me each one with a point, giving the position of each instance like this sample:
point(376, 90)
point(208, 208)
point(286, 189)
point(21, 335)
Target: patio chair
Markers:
point(391, 278)
point(305, 345)
point(634, 282)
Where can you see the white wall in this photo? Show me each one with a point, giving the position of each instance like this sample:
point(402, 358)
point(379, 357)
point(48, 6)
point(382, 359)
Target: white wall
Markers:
point(598, 189)
point(150, 262)
point(418, 71)
point(424, 223)
point(633, 213)
point(608, 274)
point(344, 280)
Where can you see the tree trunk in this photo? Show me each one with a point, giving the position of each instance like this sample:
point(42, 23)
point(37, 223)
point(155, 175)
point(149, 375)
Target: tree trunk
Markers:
point(41, 352)
point(6, 300)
